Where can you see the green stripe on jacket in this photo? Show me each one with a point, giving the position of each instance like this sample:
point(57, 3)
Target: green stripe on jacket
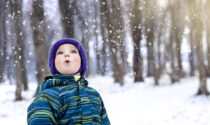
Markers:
point(63, 100)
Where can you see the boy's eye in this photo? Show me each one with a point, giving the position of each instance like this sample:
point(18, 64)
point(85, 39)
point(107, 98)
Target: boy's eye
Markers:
point(59, 52)
point(74, 51)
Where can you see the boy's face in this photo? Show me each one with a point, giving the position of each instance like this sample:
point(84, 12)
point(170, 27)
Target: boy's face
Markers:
point(67, 59)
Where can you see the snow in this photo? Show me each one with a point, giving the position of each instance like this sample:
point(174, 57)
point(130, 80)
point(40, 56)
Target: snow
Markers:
point(133, 104)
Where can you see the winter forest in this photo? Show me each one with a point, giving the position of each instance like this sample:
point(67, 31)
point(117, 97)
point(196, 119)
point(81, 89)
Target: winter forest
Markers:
point(151, 56)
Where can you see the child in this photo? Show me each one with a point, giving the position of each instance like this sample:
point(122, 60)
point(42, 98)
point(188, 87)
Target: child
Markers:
point(65, 98)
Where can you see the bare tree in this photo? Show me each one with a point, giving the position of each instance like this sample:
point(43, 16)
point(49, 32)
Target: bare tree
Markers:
point(68, 10)
point(85, 36)
point(96, 34)
point(115, 36)
point(40, 46)
point(19, 58)
point(177, 28)
point(104, 58)
point(3, 43)
point(104, 17)
point(136, 32)
point(207, 16)
point(196, 27)
point(149, 14)
point(160, 28)
point(192, 54)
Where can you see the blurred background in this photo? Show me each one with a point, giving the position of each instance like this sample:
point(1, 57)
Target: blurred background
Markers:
point(138, 39)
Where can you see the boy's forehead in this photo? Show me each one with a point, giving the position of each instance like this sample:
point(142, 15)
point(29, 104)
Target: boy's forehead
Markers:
point(67, 45)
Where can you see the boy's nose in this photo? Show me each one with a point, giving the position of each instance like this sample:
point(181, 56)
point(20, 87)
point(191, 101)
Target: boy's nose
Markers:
point(66, 55)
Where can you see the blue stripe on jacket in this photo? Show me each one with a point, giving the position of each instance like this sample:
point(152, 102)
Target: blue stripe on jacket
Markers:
point(63, 100)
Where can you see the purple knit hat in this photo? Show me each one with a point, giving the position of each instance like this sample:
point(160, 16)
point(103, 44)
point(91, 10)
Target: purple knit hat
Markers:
point(83, 67)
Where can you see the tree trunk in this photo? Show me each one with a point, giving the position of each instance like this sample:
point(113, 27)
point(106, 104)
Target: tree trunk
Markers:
point(197, 29)
point(104, 58)
point(179, 34)
point(208, 35)
point(68, 9)
point(84, 42)
point(20, 43)
point(85, 36)
point(3, 43)
point(137, 59)
point(98, 58)
point(156, 75)
point(159, 56)
point(40, 46)
point(174, 43)
point(192, 54)
point(87, 49)
point(96, 34)
point(136, 33)
point(150, 51)
point(172, 50)
point(104, 18)
point(174, 74)
point(178, 50)
point(16, 10)
point(115, 28)
point(208, 54)
point(202, 75)
point(158, 62)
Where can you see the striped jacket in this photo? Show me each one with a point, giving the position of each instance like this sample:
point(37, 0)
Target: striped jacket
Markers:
point(62, 100)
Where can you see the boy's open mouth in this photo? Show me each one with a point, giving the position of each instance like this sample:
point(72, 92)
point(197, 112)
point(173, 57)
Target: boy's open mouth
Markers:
point(67, 61)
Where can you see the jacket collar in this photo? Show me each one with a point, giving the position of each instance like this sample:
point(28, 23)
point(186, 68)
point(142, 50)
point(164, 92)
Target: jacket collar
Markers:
point(61, 80)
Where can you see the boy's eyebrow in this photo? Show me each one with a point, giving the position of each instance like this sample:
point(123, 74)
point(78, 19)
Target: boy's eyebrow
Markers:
point(58, 50)
point(74, 48)
point(71, 48)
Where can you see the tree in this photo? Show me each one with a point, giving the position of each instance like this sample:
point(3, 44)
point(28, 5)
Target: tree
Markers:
point(112, 32)
point(116, 40)
point(68, 10)
point(104, 18)
point(177, 28)
point(160, 27)
point(20, 70)
point(192, 54)
point(96, 34)
point(3, 43)
point(136, 32)
point(84, 16)
point(149, 15)
point(196, 27)
point(40, 46)
point(207, 14)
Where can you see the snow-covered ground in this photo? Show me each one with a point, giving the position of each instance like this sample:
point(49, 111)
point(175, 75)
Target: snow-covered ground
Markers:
point(133, 104)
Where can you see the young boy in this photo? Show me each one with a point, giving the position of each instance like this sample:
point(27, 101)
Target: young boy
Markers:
point(65, 98)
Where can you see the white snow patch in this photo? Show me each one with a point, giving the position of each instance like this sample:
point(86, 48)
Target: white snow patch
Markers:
point(133, 104)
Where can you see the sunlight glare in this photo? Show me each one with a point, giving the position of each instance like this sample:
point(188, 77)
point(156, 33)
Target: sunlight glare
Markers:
point(162, 3)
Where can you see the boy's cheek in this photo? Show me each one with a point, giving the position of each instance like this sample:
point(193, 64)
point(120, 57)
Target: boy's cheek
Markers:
point(58, 62)
point(77, 60)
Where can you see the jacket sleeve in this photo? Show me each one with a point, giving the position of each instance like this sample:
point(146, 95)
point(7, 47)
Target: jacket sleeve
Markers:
point(104, 116)
point(42, 111)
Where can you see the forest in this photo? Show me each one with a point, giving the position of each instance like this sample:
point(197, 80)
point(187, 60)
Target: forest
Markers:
point(142, 38)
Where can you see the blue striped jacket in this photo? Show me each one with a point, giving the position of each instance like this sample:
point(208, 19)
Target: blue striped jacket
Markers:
point(63, 100)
